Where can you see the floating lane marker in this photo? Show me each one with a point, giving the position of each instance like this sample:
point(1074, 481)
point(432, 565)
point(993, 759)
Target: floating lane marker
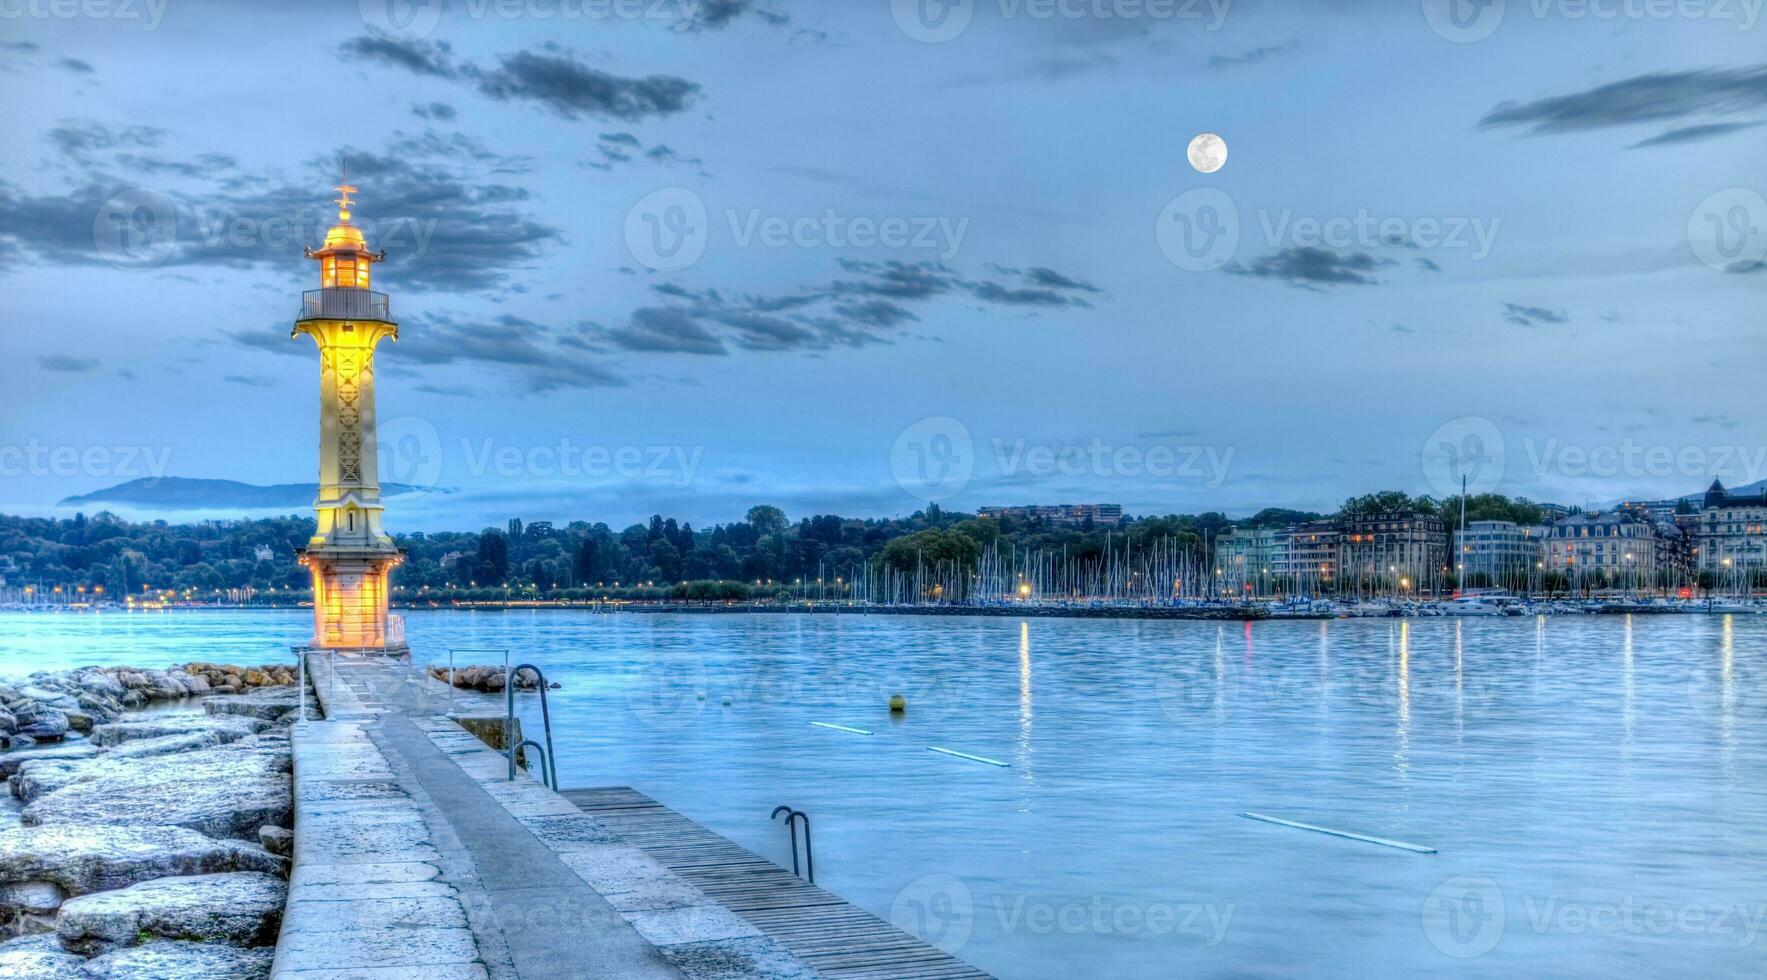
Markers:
point(973, 758)
point(1382, 841)
point(840, 728)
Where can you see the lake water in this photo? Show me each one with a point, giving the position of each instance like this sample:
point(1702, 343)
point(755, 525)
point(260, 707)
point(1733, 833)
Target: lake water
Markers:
point(1596, 787)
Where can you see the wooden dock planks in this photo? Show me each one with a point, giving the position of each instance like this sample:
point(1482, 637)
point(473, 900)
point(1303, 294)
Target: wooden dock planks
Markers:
point(837, 939)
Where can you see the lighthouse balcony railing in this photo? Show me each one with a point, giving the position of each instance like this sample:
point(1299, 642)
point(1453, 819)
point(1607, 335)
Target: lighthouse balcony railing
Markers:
point(340, 303)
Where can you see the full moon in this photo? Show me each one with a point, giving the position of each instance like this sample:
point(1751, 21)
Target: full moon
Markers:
point(1207, 152)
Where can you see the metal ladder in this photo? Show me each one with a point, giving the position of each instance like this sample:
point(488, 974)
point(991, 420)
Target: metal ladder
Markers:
point(792, 819)
point(548, 758)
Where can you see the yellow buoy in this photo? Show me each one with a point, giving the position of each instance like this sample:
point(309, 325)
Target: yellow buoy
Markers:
point(898, 704)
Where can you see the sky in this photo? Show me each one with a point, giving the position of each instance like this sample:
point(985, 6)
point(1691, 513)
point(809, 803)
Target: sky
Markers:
point(687, 256)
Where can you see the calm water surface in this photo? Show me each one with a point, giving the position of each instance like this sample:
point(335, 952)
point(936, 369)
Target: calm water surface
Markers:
point(1596, 786)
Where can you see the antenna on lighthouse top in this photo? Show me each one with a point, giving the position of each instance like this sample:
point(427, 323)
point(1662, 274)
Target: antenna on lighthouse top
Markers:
point(344, 190)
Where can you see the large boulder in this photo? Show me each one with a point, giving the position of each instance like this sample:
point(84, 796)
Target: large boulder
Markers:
point(229, 791)
point(40, 958)
point(41, 723)
point(79, 860)
point(267, 704)
point(67, 752)
point(155, 725)
point(180, 960)
point(239, 908)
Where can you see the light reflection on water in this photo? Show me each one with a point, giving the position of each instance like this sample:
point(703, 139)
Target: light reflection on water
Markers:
point(1596, 786)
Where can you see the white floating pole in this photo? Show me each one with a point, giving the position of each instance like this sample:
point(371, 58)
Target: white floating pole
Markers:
point(1382, 841)
point(972, 758)
point(840, 728)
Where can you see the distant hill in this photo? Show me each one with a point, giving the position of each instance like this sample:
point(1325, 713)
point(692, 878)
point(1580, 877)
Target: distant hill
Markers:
point(185, 493)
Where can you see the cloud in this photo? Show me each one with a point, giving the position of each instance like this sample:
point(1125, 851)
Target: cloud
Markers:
point(536, 355)
point(1528, 316)
point(1691, 134)
point(717, 14)
point(439, 111)
point(1311, 268)
point(1656, 97)
point(550, 77)
point(1253, 56)
point(75, 65)
point(1718, 421)
point(866, 306)
point(664, 330)
point(250, 380)
point(1402, 328)
point(65, 362)
point(428, 198)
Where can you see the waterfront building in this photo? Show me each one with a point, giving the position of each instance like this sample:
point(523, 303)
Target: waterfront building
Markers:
point(1243, 560)
point(1392, 551)
point(1730, 538)
point(1615, 549)
point(1304, 557)
point(1060, 515)
point(350, 556)
point(1499, 554)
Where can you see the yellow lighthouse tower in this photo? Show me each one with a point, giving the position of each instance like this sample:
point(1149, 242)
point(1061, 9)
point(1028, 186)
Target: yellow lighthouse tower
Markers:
point(349, 555)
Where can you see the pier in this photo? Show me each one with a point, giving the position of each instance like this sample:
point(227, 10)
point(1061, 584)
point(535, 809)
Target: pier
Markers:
point(414, 850)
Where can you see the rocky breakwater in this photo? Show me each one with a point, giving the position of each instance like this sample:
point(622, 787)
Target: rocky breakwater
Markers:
point(157, 845)
point(491, 680)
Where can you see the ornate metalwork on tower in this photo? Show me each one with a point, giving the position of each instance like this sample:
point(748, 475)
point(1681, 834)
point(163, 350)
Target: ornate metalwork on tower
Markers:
point(350, 556)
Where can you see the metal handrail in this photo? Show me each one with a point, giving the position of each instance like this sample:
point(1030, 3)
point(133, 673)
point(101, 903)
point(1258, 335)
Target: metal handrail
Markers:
point(547, 759)
point(792, 818)
point(550, 782)
point(345, 303)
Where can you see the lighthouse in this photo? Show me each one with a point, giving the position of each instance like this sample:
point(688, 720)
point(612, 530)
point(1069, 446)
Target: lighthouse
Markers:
point(349, 555)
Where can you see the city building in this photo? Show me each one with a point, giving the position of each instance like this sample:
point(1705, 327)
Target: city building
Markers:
point(1496, 554)
point(1730, 537)
point(1615, 549)
point(349, 554)
point(1060, 515)
point(1304, 557)
point(1392, 551)
point(1243, 560)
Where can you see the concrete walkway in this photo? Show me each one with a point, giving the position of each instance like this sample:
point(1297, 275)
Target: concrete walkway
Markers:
point(416, 856)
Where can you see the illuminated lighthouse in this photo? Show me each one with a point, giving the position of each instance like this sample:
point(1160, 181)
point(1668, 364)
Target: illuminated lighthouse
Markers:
point(349, 555)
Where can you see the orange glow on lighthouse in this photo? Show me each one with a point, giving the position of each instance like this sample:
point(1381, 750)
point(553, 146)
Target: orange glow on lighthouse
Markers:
point(350, 556)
